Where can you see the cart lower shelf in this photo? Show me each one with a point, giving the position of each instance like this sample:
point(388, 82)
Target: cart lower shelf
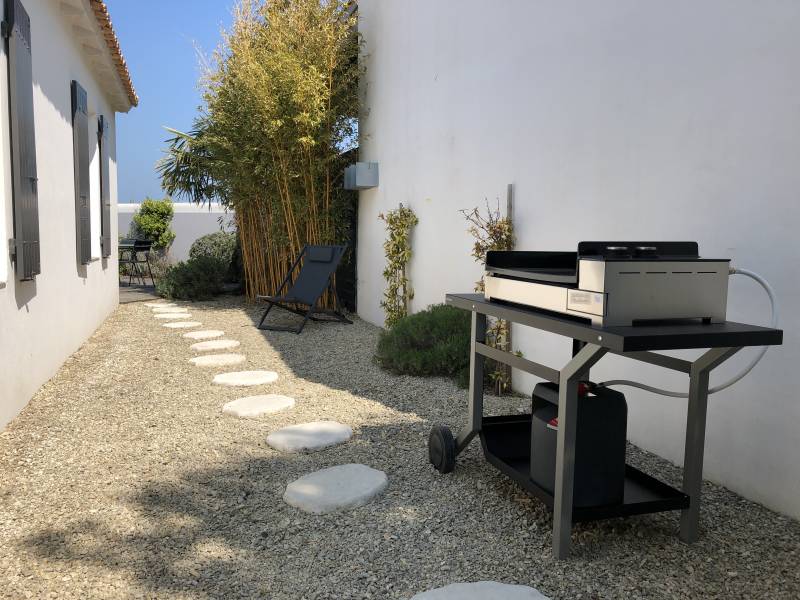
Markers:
point(506, 442)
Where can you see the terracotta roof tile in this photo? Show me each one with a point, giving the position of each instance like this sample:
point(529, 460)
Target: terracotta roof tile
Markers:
point(104, 21)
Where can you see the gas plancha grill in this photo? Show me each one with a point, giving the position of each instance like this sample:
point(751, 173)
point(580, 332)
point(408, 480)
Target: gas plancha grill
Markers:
point(614, 283)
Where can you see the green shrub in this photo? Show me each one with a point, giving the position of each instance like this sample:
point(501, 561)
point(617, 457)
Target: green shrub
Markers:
point(198, 278)
point(432, 342)
point(152, 221)
point(222, 246)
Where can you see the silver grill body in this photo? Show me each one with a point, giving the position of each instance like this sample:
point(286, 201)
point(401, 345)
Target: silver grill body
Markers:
point(624, 292)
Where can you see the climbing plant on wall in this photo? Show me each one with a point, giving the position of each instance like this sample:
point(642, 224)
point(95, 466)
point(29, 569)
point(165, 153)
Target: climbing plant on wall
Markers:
point(490, 231)
point(399, 223)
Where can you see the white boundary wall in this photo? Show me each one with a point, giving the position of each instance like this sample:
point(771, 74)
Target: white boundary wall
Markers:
point(189, 223)
point(43, 322)
point(634, 119)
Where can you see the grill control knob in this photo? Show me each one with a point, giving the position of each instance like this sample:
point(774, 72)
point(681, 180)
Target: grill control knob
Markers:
point(646, 251)
point(617, 252)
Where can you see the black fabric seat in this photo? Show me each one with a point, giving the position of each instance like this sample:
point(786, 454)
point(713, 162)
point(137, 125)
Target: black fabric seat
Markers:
point(309, 277)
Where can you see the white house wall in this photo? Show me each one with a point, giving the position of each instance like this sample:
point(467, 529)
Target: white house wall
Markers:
point(189, 223)
point(43, 322)
point(614, 120)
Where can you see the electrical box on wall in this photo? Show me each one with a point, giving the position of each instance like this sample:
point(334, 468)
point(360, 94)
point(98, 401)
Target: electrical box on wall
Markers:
point(361, 176)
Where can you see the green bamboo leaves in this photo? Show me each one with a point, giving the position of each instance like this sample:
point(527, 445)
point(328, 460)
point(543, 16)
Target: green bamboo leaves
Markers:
point(280, 109)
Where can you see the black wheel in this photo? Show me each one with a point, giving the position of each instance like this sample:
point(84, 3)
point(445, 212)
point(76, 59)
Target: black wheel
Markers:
point(442, 449)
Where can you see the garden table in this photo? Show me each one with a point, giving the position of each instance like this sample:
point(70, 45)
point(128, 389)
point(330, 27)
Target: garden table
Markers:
point(643, 493)
point(129, 254)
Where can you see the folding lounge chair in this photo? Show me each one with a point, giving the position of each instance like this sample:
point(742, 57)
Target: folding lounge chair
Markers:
point(313, 278)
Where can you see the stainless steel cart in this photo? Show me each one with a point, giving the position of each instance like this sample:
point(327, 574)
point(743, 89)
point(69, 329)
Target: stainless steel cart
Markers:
point(643, 493)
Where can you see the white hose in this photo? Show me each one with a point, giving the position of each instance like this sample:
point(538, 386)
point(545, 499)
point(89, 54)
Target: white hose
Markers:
point(759, 355)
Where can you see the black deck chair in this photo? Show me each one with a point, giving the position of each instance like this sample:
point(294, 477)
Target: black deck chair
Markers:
point(307, 287)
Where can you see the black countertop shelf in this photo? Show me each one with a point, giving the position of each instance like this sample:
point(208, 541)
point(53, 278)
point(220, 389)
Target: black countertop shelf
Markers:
point(506, 445)
point(625, 339)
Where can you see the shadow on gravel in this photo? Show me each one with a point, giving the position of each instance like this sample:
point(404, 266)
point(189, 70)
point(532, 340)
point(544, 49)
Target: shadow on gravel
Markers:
point(223, 531)
point(214, 533)
point(341, 356)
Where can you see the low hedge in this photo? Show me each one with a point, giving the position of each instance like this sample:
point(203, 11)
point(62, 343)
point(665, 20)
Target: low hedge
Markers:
point(223, 246)
point(199, 278)
point(432, 342)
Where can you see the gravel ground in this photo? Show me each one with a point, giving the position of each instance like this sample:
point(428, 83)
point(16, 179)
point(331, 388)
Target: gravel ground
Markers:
point(122, 478)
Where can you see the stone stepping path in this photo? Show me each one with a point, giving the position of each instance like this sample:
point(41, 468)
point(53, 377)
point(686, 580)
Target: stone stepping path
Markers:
point(159, 304)
point(255, 406)
point(214, 345)
point(172, 315)
point(169, 309)
point(335, 488)
point(482, 590)
point(205, 334)
point(309, 436)
point(245, 378)
point(218, 360)
point(182, 324)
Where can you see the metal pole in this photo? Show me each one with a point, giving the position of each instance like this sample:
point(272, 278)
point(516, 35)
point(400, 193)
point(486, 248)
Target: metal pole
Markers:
point(509, 338)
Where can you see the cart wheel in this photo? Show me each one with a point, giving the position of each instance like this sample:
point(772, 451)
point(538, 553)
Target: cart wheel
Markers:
point(442, 449)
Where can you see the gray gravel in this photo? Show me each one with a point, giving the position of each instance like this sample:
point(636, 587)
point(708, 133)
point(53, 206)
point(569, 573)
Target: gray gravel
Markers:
point(122, 478)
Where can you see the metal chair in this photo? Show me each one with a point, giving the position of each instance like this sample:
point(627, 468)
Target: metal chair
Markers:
point(308, 278)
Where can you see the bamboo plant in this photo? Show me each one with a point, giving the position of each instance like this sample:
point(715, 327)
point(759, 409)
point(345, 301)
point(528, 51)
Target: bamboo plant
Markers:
point(280, 103)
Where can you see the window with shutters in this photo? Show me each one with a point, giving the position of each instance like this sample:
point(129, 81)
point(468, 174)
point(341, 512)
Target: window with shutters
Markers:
point(80, 153)
point(18, 45)
point(103, 133)
point(6, 230)
point(94, 183)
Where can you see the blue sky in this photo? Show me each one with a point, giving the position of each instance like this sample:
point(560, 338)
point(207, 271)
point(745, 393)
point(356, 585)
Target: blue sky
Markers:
point(159, 40)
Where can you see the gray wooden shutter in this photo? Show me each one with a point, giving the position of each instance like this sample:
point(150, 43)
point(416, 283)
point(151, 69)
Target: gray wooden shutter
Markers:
point(17, 28)
point(105, 192)
point(80, 152)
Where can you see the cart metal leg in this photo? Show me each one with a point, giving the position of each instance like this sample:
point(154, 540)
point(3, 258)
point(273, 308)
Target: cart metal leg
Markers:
point(476, 360)
point(696, 436)
point(570, 375)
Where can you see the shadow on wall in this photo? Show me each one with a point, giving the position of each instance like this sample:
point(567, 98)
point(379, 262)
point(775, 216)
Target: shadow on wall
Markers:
point(24, 291)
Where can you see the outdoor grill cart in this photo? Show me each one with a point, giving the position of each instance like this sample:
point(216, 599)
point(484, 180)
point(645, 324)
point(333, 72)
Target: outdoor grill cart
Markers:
point(506, 440)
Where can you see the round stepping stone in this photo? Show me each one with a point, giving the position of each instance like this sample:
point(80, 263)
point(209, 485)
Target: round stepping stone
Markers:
point(159, 304)
point(309, 436)
point(482, 590)
point(170, 309)
point(214, 345)
point(218, 360)
point(205, 334)
point(172, 316)
point(255, 406)
point(245, 378)
point(182, 324)
point(335, 488)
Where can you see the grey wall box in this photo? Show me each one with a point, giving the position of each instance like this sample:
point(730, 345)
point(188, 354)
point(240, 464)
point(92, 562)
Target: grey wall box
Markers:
point(361, 176)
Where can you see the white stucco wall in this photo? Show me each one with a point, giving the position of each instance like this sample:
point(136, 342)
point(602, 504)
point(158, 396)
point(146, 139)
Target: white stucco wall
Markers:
point(43, 322)
point(616, 120)
point(189, 223)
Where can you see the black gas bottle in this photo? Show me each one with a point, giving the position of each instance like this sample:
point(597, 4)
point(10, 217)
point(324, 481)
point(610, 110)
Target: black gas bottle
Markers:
point(602, 420)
